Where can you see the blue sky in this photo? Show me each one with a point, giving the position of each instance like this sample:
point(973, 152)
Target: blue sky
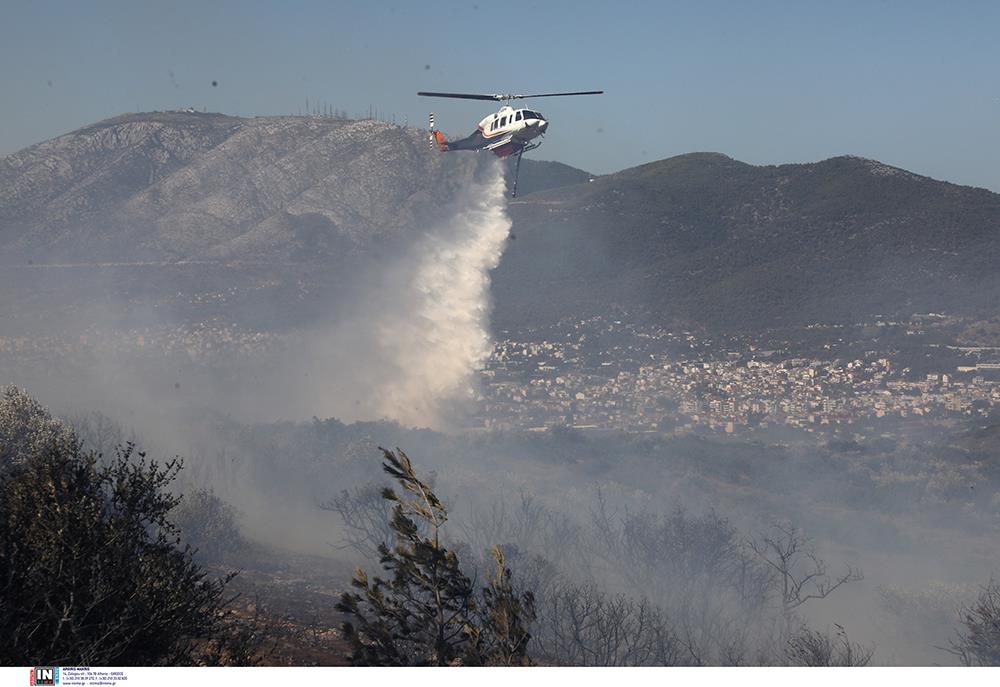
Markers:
point(914, 84)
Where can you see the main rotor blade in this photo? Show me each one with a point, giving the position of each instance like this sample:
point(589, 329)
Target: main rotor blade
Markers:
point(502, 96)
point(464, 96)
point(549, 95)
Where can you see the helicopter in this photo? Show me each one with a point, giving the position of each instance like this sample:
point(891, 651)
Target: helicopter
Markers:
point(508, 131)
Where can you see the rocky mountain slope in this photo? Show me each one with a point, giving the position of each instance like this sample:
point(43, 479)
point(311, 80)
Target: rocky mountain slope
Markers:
point(180, 186)
point(189, 215)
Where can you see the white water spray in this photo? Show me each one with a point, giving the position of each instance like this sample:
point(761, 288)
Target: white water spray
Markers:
point(440, 338)
point(413, 349)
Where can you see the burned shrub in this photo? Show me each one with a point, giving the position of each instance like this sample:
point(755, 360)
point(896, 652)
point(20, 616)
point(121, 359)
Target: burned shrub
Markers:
point(817, 649)
point(978, 642)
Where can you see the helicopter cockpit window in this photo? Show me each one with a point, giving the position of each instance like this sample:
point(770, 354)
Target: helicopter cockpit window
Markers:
point(528, 114)
point(520, 115)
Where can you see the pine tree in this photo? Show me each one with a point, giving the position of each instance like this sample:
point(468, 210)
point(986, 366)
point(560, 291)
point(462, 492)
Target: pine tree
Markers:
point(427, 611)
point(502, 637)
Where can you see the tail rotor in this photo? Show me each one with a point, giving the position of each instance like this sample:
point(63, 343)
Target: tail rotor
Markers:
point(435, 138)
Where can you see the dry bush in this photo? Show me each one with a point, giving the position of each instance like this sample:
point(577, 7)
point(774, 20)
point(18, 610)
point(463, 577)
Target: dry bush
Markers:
point(584, 626)
point(978, 642)
point(816, 649)
point(366, 517)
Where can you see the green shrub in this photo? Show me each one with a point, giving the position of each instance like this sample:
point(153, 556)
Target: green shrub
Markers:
point(92, 571)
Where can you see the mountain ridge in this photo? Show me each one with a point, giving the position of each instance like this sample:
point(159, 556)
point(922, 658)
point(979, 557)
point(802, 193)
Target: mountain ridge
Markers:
point(181, 185)
point(704, 238)
point(700, 238)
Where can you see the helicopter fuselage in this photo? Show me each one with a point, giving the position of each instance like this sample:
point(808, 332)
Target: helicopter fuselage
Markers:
point(512, 128)
point(504, 132)
point(522, 123)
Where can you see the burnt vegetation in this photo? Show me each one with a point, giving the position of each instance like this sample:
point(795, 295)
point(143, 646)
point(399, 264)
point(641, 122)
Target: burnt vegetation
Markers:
point(978, 641)
point(111, 559)
point(629, 589)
